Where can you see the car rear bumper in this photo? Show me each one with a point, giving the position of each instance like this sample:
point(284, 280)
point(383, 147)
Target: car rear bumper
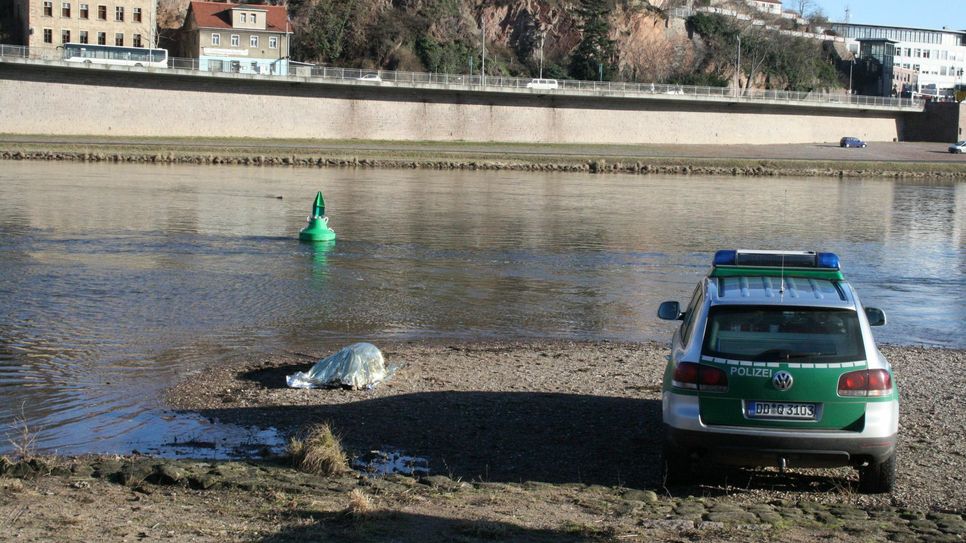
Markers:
point(785, 451)
point(750, 446)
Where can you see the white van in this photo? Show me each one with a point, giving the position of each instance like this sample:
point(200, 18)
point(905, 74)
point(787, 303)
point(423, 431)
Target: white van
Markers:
point(542, 84)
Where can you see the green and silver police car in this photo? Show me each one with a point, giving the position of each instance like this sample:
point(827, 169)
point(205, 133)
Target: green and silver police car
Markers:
point(774, 364)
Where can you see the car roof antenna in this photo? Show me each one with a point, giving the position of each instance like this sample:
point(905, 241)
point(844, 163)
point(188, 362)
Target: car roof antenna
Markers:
point(781, 284)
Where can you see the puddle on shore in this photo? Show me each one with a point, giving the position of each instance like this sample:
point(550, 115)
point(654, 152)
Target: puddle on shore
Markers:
point(218, 441)
point(390, 462)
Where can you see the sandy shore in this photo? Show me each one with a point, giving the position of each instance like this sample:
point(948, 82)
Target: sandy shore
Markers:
point(524, 441)
point(571, 413)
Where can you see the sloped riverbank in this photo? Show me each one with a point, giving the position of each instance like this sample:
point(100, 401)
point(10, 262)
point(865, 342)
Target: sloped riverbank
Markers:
point(525, 441)
point(885, 160)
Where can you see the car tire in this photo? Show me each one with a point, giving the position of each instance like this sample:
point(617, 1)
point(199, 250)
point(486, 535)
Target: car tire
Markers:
point(878, 478)
point(676, 468)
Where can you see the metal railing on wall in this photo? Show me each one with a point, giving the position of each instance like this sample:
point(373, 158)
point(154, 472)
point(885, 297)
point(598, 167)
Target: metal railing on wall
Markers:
point(498, 83)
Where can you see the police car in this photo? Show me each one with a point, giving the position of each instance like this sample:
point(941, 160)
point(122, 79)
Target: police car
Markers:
point(774, 364)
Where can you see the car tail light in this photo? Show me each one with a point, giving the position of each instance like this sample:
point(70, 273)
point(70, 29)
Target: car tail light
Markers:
point(865, 383)
point(697, 377)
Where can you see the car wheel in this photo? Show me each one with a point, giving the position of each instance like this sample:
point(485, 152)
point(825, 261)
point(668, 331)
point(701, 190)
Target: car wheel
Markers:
point(878, 478)
point(676, 467)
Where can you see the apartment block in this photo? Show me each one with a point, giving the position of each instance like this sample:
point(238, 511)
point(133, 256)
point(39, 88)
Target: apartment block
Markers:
point(52, 23)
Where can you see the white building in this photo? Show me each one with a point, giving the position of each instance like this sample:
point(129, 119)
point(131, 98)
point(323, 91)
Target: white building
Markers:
point(773, 7)
point(937, 56)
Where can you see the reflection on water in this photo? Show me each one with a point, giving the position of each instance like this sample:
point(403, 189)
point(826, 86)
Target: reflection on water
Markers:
point(116, 281)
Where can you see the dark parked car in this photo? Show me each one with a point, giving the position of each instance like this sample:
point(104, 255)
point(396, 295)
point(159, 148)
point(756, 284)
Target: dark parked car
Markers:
point(851, 142)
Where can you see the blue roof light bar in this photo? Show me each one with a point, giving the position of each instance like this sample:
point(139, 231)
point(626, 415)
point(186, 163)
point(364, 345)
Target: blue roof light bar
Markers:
point(775, 259)
point(827, 260)
point(725, 257)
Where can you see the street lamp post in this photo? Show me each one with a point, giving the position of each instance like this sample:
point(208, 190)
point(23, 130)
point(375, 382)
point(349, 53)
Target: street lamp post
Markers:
point(851, 65)
point(738, 68)
point(483, 44)
point(542, 38)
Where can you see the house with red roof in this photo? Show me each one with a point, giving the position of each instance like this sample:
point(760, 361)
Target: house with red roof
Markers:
point(239, 38)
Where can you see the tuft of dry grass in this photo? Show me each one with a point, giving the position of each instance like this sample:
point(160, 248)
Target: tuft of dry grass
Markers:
point(317, 450)
point(359, 503)
point(23, 440)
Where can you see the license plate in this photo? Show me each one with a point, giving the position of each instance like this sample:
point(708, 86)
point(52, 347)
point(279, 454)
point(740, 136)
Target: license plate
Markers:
point(781, 410)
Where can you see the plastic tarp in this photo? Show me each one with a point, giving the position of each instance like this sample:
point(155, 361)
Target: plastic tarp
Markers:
point(357, 366)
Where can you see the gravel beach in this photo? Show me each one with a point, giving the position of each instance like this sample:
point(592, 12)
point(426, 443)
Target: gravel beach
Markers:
point(524, 441)
point(585, 413)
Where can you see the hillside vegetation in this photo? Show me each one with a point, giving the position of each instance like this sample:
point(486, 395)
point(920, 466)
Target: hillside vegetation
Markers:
point(614, 40)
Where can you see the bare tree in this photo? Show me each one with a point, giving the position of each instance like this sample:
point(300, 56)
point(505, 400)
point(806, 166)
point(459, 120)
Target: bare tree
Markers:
point(757, 44)
point(805, 7)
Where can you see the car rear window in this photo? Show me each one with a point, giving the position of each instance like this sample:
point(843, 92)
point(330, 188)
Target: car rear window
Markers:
point(778, 334)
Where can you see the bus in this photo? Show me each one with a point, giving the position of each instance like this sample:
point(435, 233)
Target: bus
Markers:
point(114, 54)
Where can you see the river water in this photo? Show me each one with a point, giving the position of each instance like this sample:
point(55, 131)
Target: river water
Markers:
point(116, 281)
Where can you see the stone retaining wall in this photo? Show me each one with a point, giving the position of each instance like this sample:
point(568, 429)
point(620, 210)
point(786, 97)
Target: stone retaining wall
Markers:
point(76, 101)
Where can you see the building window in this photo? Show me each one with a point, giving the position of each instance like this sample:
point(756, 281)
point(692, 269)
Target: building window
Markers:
point(65, 9)
point(253, 41)
point(48, 35)
point(136, 14)
point(84, 11)
point(255, 67)
point(102, 38)
point(273, 42)
point(235, 40)
point(119, 13)
point(83, 36)
point(48, 9)
point(215, 39)
point(119, 39)
point(65, 36)
point(136, 40)
point(102, 13)
point(253, 18)
point(243, 18)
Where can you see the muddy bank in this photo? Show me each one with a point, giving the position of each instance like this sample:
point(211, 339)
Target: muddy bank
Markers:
point(650, 166)
point(573, 413)
point(525, 441)
point(135, 499)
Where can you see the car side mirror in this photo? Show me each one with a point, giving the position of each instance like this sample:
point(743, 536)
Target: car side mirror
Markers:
point(876, 316)
point(670, 311)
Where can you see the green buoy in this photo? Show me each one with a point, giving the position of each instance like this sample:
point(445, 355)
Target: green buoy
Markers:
point(318, 227)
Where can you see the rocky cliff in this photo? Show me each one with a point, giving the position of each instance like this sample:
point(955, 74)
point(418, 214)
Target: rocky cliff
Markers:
point(445, 35)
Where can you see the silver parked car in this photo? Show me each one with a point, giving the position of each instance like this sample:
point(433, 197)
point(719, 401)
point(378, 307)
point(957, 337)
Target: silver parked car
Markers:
point(958, 147)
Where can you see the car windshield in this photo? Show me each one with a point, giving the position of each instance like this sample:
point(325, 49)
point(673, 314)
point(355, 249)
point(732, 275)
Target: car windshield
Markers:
point(780, 334)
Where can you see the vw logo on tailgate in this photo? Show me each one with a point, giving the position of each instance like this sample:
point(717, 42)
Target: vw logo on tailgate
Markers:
point(782, 380)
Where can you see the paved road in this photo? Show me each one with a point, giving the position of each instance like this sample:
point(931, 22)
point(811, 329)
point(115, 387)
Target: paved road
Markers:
point(877, 152)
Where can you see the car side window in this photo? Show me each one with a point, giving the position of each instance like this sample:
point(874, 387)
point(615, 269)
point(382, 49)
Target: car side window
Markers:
point(689, 316)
